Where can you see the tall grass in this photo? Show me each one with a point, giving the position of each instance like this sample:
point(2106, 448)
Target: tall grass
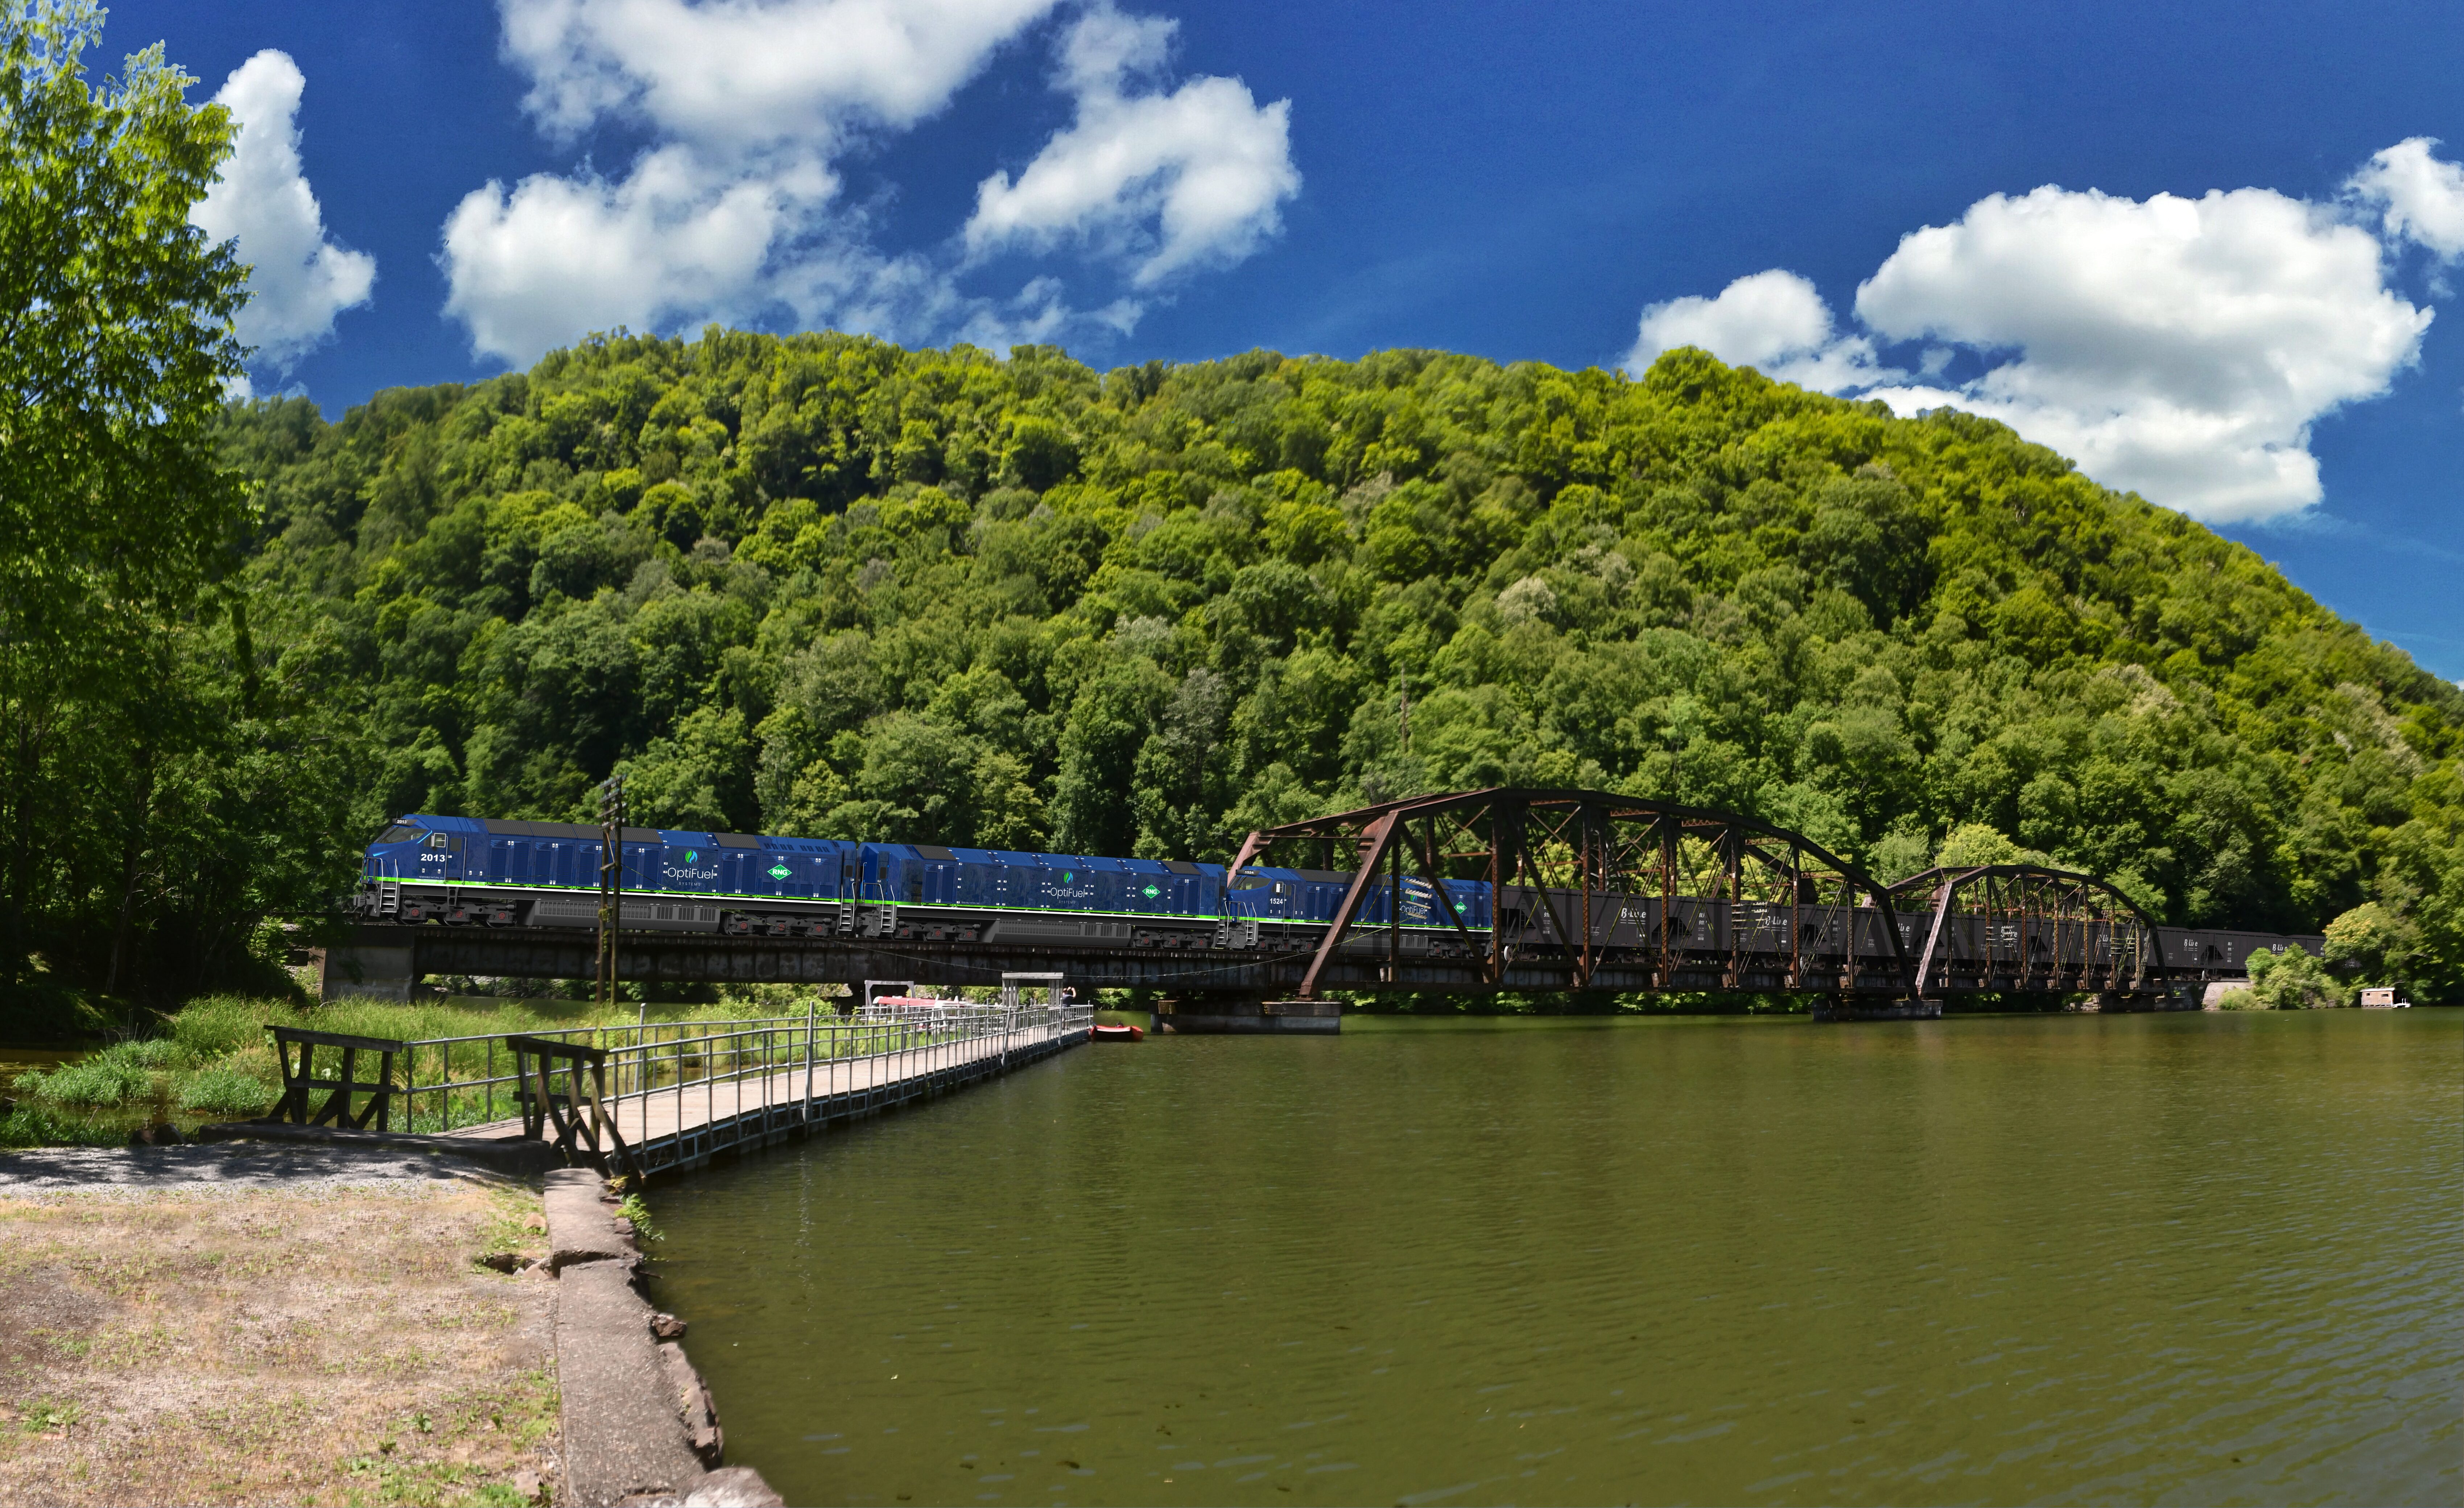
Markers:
point(38, 1126)
point(215, 1059)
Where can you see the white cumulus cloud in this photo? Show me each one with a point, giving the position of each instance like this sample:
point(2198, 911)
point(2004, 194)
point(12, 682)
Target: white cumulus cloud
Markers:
point(1773, 321)
point(737, 211)
point(2419, 198)
point(1167, 181)
point(557, 257)
point(751, 72)
point(2178, 347)
point(298, 280)
point(2182, 348)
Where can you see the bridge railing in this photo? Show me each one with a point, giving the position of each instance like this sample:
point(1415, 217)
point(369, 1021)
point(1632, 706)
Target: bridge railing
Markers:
point(449, 1082)
point(676, 1086)
point(456, 1082)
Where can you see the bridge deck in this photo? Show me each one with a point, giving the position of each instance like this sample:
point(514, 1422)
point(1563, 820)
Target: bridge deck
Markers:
point(388, 959)
point(682, 1126)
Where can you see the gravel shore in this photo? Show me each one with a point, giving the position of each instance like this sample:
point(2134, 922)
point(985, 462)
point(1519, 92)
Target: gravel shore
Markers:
point(260, 1323)
point(228, 1164)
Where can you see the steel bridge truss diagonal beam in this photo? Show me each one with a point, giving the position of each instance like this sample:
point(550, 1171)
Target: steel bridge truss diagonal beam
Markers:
point(2029, 927)
point(1584, 877)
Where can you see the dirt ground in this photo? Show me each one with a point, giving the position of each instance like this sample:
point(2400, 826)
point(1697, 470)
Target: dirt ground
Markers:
point(273, 1340)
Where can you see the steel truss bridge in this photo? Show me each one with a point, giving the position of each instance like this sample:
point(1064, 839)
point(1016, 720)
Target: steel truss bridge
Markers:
point(1589, 891)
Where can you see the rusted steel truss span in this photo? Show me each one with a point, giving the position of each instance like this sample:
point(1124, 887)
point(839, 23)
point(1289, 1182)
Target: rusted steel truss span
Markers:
point(1584, 881)
point(2031, 929)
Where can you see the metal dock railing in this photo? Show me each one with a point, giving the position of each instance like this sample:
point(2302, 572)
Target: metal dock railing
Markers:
point(670, 1094)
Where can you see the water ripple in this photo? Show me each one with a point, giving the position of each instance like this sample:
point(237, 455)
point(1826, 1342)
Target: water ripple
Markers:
point(2188, 1259)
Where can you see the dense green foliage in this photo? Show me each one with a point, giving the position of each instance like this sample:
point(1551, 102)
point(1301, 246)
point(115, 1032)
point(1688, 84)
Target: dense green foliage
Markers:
point(145, 782)
point(2293, 980)
point(822, 585)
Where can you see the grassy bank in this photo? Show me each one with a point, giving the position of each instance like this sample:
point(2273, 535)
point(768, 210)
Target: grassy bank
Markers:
point(213, 1060)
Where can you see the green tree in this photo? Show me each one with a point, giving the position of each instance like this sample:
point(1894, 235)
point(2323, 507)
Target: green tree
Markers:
point(919, 779)
point(2294, 980)
point(1094, 804)
point(1978, 843)
point(117, 518)
point(2373, 945)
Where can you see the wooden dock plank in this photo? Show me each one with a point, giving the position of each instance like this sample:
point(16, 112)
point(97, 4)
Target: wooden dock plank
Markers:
point(682, 1125)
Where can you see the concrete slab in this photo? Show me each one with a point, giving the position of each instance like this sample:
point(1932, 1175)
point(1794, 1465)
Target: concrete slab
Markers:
point(639, 1423)
point(374, 970)
point(623, 1438)
point(1251, 1026)
point(582, 1225)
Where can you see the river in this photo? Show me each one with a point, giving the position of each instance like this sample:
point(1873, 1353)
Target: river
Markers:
point(2202, 1259)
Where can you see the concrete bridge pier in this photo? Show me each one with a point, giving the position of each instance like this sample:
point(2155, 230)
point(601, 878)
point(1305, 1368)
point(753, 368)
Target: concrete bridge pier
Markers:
point(367, 971)
point(1211, 1013)
point(1844, 1006)
point(2112, 1002)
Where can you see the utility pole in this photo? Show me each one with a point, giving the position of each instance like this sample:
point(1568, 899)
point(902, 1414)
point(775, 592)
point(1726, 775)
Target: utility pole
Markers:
point(612, 887)
point(1403, 704)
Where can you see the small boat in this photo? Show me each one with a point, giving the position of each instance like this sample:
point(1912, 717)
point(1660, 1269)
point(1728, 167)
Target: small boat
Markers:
point(1115, 1032)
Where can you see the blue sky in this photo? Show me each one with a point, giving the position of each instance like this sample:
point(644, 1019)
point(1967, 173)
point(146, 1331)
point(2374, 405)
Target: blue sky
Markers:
point(2209, 251)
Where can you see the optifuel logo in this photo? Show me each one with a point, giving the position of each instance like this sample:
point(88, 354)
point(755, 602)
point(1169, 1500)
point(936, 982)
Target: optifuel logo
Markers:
point(686, 864)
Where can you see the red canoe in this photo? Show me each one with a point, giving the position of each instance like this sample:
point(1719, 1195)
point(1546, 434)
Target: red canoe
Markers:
point(1115, 1032)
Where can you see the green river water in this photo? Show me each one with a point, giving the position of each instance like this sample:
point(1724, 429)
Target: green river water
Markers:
point(2190, 1259)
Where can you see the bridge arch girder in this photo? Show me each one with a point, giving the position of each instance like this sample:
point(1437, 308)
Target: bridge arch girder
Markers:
point(2043, 927)
point(1586, 874)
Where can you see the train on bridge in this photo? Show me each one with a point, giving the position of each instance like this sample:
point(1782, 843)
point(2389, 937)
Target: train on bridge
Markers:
point(1577, 890)
point(458, 871)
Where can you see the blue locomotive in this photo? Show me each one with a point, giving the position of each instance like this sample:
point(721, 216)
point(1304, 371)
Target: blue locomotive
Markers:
point(461, 871)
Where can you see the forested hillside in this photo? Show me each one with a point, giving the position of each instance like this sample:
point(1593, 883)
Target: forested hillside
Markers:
point(826, 586)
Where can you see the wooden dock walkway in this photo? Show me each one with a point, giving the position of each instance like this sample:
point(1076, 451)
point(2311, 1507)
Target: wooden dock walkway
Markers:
point(679, 1126)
